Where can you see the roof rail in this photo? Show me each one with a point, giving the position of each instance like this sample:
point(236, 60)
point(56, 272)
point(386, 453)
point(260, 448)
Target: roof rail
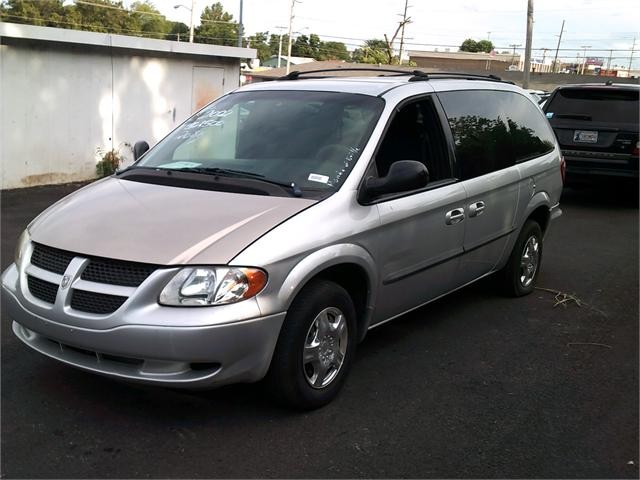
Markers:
point(416, 75)
point(295, 75)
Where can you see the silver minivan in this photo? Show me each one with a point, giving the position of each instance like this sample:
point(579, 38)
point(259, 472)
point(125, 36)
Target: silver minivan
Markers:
point(267, 234)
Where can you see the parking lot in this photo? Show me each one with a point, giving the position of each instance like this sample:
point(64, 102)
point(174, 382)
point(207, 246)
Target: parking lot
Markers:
point(473, 385)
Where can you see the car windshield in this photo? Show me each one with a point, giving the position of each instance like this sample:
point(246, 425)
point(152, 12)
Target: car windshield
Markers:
point(595, 104)
point(311, 139)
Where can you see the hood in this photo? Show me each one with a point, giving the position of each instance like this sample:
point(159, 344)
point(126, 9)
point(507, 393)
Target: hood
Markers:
point(160, 224)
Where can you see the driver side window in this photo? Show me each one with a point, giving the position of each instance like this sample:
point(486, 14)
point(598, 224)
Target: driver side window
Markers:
point(415, 133)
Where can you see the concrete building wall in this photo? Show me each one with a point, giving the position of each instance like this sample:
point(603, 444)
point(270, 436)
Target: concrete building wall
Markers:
point(455, 65)
point(61, 104)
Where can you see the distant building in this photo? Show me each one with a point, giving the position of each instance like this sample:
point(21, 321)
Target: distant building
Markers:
point(273, 61)
point(460, 61)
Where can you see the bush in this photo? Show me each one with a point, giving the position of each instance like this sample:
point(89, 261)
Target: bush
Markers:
point(108, 164)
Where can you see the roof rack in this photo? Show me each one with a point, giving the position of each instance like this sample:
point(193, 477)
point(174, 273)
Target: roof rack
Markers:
point(416, 75)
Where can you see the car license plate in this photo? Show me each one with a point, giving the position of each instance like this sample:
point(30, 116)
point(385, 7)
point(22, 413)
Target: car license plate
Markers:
point(585, 136)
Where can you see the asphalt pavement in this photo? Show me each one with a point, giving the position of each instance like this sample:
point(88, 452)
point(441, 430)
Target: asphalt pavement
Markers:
point(473, 385)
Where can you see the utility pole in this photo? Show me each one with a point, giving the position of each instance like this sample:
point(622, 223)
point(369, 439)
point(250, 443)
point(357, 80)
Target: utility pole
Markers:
point(404, 22)
point(240, 27)
point(544, 56)
point(293, 2)
point(631, 56)
point(584, 56)
point(527, 47)
point(609, 61)
point(513, 57)
point(282, 29)
point(555, 59)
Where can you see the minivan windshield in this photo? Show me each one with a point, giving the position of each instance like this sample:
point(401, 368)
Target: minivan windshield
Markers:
point(311, 139)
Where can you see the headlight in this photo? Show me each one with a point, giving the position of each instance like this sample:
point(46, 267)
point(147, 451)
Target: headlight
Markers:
point(23, 241)
point(203, 286)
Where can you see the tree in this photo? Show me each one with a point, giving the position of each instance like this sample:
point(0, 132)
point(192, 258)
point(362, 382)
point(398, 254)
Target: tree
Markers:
point(304, 46)
point(469, 45)
point(373, 51)
point(151, 22)
point(217, 27)
point(333, 51)
point(49, 13)
point(178, 31)
point(259, 42)
point(485, 46)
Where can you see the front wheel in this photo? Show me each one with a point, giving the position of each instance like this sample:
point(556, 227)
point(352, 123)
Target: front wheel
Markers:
point(315, 348)
point(521, 272)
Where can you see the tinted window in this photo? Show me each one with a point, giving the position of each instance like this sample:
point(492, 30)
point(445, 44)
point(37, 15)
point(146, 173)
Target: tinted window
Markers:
point(493, 130)
point(415, 133)
point(595, 104)
point(310, 138)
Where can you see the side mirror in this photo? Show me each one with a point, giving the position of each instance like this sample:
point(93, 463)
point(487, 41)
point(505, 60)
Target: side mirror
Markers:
point(139, 149)
point(403, 176)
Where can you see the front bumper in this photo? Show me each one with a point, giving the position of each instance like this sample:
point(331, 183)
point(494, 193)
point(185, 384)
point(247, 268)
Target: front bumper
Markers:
point(205, 353)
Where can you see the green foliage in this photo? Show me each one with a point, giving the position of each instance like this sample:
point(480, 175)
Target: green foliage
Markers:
point(178, 31)
point(149, 20)
point(142, 19)
point(373, 51)
point(109, 163)
point(217, 27)
point(485, 46)
point(259, 41)
point(470, 45)
point(334, 51)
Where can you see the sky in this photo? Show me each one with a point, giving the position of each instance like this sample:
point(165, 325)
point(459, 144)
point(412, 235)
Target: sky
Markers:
point(598, 24)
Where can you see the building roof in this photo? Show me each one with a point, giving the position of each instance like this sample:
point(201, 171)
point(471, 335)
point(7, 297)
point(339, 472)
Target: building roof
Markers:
point(279, 72)
point(125, 42)
point(504, 57)
point(295, 60)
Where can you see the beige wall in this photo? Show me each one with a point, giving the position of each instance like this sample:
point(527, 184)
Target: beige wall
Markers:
point(59, 104)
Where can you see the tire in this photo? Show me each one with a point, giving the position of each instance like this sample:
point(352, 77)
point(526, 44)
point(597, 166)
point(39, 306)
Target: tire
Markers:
point(519, 278)
point(321, 325)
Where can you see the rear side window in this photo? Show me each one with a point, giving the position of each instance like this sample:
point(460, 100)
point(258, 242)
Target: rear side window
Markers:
point(493, 130)
point(595, 104)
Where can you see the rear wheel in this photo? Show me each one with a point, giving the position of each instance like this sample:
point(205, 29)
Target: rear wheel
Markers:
point(521, 272)
point(315, 347)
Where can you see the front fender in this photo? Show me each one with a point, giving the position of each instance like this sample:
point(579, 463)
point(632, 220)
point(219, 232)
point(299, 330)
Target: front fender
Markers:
point(322, 259)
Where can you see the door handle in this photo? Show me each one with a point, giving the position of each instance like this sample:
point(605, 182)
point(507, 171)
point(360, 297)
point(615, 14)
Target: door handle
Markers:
point(476, 209)
point(454, 216)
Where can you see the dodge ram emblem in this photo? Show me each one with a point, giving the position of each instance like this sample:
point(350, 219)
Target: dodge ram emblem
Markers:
point(65, 281)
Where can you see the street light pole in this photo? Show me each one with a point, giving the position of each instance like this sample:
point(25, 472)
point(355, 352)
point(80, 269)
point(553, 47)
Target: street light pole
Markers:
point(193, 4)
point(193, 7)
point(280, 45)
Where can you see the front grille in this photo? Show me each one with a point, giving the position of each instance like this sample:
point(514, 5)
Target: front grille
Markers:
point(41, 289)
point(99, 303)
point(117, 272)
point(51, 259)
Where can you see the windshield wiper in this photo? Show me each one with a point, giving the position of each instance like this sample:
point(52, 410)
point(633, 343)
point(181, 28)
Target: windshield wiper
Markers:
point(228, 172)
